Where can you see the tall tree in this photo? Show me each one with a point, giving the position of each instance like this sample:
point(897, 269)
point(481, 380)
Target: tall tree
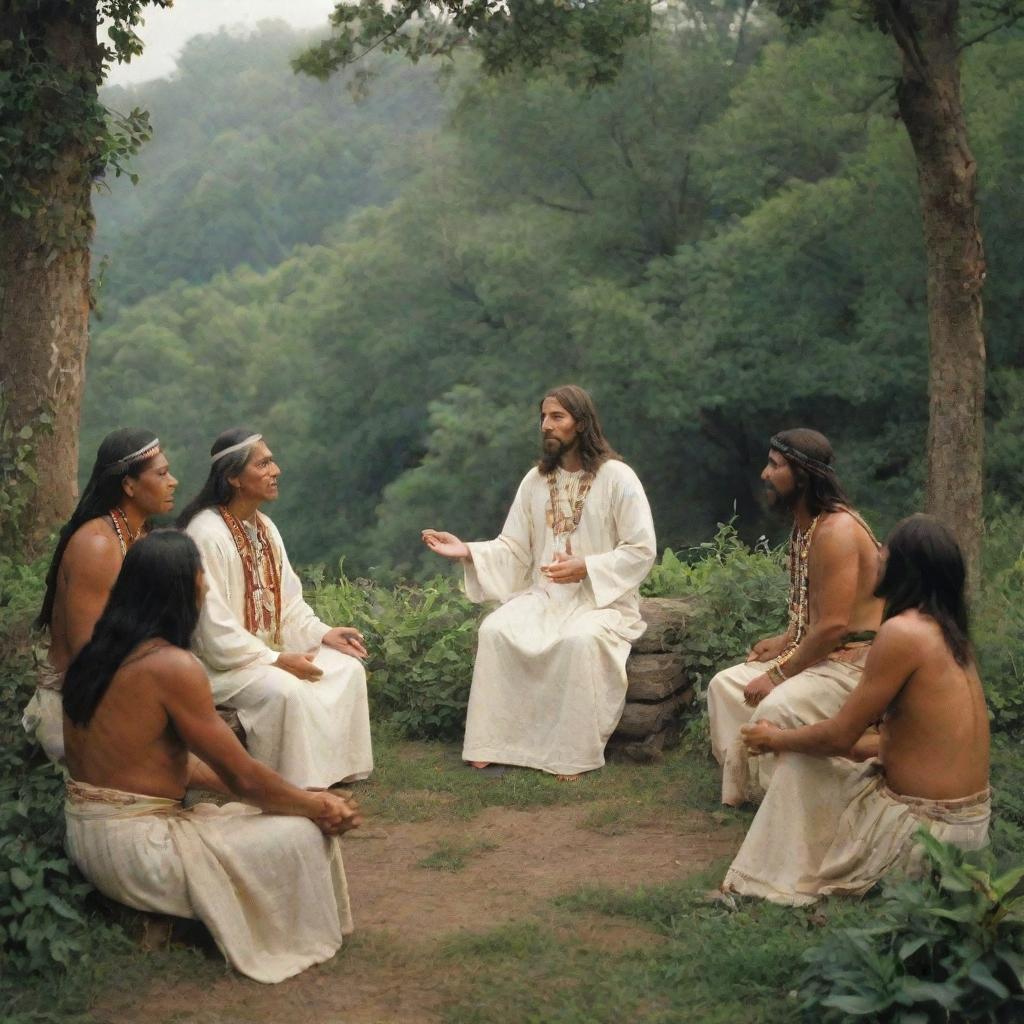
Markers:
point(56, 138)
point(587, 40)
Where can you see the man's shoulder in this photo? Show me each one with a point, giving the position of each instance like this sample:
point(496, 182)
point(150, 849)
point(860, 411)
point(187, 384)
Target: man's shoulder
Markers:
point(843, 523)
point(615, 471)
point(172, 665)
point(910, 627)
point(94, 542)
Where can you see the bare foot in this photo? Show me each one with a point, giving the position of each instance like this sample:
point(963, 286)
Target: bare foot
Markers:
point(479, 764)
point(569, 778)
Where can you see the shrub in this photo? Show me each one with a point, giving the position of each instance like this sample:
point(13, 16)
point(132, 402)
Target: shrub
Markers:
point(421, 639)
point(948, 947)
point(742, 594)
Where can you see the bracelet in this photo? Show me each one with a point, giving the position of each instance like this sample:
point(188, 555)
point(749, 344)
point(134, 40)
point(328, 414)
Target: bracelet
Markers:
point(775, 673)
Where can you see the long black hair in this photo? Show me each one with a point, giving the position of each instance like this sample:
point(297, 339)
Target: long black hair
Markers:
point(101, 494)
point(154, 596)
point(595, 449)
point(217, 490)
point(926, 571)
point(810, 456)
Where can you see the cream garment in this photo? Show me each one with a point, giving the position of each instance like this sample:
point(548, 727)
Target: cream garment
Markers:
point(830, 826)
point(810, 696)
point(312, 733)
point(549, 683)
point(271, 888)
point(43, 716)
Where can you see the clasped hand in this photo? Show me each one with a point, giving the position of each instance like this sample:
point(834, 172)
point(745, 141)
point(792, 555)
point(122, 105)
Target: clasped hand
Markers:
point(758, 737)
point(565, 568)
point(757, 689)
point(337, 814)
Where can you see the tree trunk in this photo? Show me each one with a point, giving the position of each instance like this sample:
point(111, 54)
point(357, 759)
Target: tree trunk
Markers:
point(932, 111)
point(44, 283)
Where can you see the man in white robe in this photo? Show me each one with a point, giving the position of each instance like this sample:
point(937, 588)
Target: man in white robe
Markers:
point(296, 683)
point(549, 683)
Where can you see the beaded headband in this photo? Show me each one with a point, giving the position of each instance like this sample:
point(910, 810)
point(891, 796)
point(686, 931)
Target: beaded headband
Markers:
point(800, 458)
point(147, 451)
point(247, 443)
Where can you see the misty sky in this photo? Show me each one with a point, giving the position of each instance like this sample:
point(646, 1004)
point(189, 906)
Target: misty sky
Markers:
point(166, 30)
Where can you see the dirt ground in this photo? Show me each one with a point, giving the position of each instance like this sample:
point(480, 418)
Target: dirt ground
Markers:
point(389, 973)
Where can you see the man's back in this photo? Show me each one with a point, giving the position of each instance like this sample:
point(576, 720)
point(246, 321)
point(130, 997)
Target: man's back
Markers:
point(935, 735)
point(843, 533)
point(129, 742)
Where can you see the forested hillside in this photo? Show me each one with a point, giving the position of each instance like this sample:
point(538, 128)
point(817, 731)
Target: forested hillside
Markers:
point(717, 246)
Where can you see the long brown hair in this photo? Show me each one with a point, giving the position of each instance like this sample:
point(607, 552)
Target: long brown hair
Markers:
point(595, 450)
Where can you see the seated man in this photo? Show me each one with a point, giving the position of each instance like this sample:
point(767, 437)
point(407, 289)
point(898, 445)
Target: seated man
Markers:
point(296, 683)
point(831, 825)
point(549, 683)
point(129, 483)
point(271, 890)
point(805, 674)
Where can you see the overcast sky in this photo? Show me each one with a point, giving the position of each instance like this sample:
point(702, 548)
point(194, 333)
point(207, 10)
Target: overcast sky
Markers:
point(167, 30)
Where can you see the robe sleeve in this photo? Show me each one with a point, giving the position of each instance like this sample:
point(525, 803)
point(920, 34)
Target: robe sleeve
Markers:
point(221, 640)
point(301, 629)
point(503, 567)
point(615, 573)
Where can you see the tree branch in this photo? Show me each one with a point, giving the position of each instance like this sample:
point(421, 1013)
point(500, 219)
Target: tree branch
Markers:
point(1009, 23)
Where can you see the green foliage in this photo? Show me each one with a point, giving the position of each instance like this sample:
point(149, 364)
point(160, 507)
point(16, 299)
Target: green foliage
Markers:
point(947, 947)
point(741, 594)
point(17, 475)
point(421, 638)
point(43, 917)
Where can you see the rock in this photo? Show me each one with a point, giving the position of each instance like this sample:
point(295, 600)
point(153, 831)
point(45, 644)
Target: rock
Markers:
point(666, 619)
point(640, 720)
point(654, 676)
point(649, 749)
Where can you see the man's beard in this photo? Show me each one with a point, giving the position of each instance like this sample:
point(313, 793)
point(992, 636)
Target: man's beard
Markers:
point(552, 450)
point(784, 504)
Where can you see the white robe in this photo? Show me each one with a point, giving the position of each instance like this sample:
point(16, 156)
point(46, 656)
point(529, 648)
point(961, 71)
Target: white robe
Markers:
point(549, 683)
point(312, 733)
point(270, 888)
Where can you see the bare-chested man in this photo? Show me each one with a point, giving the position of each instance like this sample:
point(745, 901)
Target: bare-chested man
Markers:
point(829, 824)
point(806, 673)
point(271, 889)
point(130, 483)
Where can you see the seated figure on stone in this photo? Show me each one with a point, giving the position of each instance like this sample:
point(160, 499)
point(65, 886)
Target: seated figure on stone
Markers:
point(549, 683)
point(297, 684)
point(130, 482)
point(844, 804)
point(806, 673)
point(138, 717)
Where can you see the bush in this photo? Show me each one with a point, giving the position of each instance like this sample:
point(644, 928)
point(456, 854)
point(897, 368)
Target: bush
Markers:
point(949, 947)
point(421, 639)
point(742, 597)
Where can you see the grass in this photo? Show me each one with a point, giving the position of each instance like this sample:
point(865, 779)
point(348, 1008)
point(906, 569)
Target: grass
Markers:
point(452, 854)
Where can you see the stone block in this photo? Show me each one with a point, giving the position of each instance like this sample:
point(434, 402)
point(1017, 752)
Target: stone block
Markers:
point(666, 619)
point(640, 720)
point(654, 676)
point(647, 750)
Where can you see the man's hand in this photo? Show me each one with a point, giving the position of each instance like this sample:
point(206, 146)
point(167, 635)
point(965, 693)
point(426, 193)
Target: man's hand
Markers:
point(757, 689)
point(758, 737)
point(346, 639)
point(767, 649)
point(445, 544)
point(300, 665)
point(565, 568)
point(336, 815)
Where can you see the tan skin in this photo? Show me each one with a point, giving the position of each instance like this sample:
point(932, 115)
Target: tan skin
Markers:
point(934, 737)
point(559, 431)
point(92, 560)
point(253, 487)
point(156, 710)
point(842, 570)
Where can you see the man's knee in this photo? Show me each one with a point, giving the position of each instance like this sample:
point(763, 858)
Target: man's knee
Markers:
point(723, 684)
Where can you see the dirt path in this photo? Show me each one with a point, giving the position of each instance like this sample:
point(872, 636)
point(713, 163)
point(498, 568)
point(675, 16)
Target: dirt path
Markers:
point(515, 862)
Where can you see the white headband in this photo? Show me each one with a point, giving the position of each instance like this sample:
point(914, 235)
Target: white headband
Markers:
point(247, 443)
point(149, 449)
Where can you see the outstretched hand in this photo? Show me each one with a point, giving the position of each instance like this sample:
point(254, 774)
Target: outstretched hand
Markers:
point(758, 737)
point(445, 544)
point(347, 640)
point(565, 568)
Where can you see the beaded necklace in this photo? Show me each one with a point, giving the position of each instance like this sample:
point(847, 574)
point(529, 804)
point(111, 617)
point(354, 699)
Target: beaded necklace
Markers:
point(799, 590)
point(577, 487)
point(125, 537)
point(262, 577)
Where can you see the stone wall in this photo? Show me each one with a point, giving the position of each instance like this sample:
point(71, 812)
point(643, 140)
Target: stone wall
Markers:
point(659, 689)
